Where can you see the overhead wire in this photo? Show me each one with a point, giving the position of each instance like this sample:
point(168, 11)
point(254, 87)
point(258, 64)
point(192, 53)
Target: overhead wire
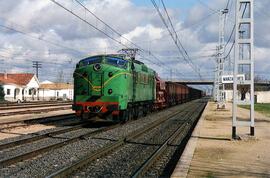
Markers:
point(174, 36)
point(115, 31)
point(179, 30)
point(233, 30)
point(160, 64)
point(38, 38)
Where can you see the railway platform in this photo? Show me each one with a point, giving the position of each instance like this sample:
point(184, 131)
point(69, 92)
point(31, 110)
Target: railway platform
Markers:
point(212, 153)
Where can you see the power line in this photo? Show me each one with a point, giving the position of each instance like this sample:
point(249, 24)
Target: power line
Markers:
point(175, 37)
point(119, 34)
point(38, 38)
point(227, 5)
point(160, 64)
point(233, 30)
point(206, 5)
point(230, 49)
point(91, 25)
point(191, 25)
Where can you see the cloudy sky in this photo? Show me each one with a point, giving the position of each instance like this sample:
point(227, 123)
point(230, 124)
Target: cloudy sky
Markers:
point(40, 30)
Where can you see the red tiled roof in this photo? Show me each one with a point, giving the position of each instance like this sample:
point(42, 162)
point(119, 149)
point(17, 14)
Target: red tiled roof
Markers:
point(18, 79)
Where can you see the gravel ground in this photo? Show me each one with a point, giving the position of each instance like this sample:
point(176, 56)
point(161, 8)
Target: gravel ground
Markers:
point(54, 160)
point(119, 163)
point(60, 125)
point(138, 124)
point(42, 143)
point(8, 140)
point(159, 168)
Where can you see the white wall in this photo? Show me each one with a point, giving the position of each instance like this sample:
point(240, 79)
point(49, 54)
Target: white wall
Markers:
point(263, 96)
point(46, 94)
point(12, 88)
point(33, 84)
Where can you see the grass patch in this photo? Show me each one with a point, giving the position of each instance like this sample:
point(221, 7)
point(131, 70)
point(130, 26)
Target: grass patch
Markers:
point(262, 108)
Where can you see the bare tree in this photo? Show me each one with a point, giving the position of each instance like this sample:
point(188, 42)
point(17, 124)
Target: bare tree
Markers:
point(60, 76)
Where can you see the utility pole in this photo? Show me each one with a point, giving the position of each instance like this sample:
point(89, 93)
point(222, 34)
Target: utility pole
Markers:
point(216, 82)
point(37, 65)
point(244, 60)
point(220, 88)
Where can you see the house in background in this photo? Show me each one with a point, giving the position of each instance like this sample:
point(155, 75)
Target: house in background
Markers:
point(19, 87)
point(55, 91)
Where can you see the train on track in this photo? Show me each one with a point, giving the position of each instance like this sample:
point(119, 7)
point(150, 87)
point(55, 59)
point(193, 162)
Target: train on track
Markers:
point(124, 88)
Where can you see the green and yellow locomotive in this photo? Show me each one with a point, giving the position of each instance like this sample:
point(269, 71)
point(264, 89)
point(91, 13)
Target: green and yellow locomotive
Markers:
point(113, 85)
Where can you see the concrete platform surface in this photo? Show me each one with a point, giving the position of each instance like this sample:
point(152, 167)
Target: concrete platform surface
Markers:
point(217, 155)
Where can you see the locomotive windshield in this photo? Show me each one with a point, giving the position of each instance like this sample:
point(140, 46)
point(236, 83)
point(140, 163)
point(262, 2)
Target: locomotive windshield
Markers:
point(90, 60)
point(116, 62)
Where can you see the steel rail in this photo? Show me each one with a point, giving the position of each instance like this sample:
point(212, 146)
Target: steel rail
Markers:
point(30, 154)
point(41, 120)
point(183, 130)
point(30, 103)
point(34, 111)
point(39, 137)
point(66, 171)
point(33, 106)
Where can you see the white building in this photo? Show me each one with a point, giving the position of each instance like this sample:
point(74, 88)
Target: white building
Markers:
point(55, 91)
point(20, 86)
point(260, 96)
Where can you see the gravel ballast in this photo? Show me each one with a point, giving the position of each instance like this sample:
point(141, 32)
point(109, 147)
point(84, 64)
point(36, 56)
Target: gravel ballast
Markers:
point(49, 162)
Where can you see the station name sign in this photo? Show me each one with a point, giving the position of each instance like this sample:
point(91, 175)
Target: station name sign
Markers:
point(229, 78)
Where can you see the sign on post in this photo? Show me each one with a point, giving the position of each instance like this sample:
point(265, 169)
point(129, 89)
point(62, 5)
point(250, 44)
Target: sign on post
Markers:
point(229, 78)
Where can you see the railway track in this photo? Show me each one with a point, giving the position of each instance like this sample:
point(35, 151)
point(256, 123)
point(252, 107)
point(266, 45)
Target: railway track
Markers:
point(36, 152)
point(32, 103)
point(31, 154)
point(177, 138)
point(118, 144)
point(37, 111)
point(39, 137)
point(33, 106)
point(43, 120)
point(61, 147)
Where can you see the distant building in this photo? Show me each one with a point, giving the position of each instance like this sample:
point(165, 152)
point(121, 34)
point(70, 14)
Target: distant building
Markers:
point(19, 87)
point(55, 91)
point(262, 94)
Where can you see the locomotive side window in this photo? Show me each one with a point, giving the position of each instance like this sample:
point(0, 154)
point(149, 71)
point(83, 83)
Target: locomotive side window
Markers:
point(116, 62)
point(90, 60)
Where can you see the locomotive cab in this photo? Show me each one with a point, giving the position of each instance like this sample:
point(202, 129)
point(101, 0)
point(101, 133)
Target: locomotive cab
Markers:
point(100, 85)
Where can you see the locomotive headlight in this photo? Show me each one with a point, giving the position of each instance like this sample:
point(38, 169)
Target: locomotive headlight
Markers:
point(97, 67)
point(110, 91)
point(110, 74)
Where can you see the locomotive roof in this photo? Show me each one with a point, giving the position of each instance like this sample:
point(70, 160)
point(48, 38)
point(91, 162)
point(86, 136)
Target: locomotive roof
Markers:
point(101, 55)
point(123, 56)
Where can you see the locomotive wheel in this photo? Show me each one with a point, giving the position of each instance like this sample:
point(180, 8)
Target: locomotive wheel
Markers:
point(123, 116)
point(130, 113)
point(136, 112)
point(84, 117)
point(145, 110)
